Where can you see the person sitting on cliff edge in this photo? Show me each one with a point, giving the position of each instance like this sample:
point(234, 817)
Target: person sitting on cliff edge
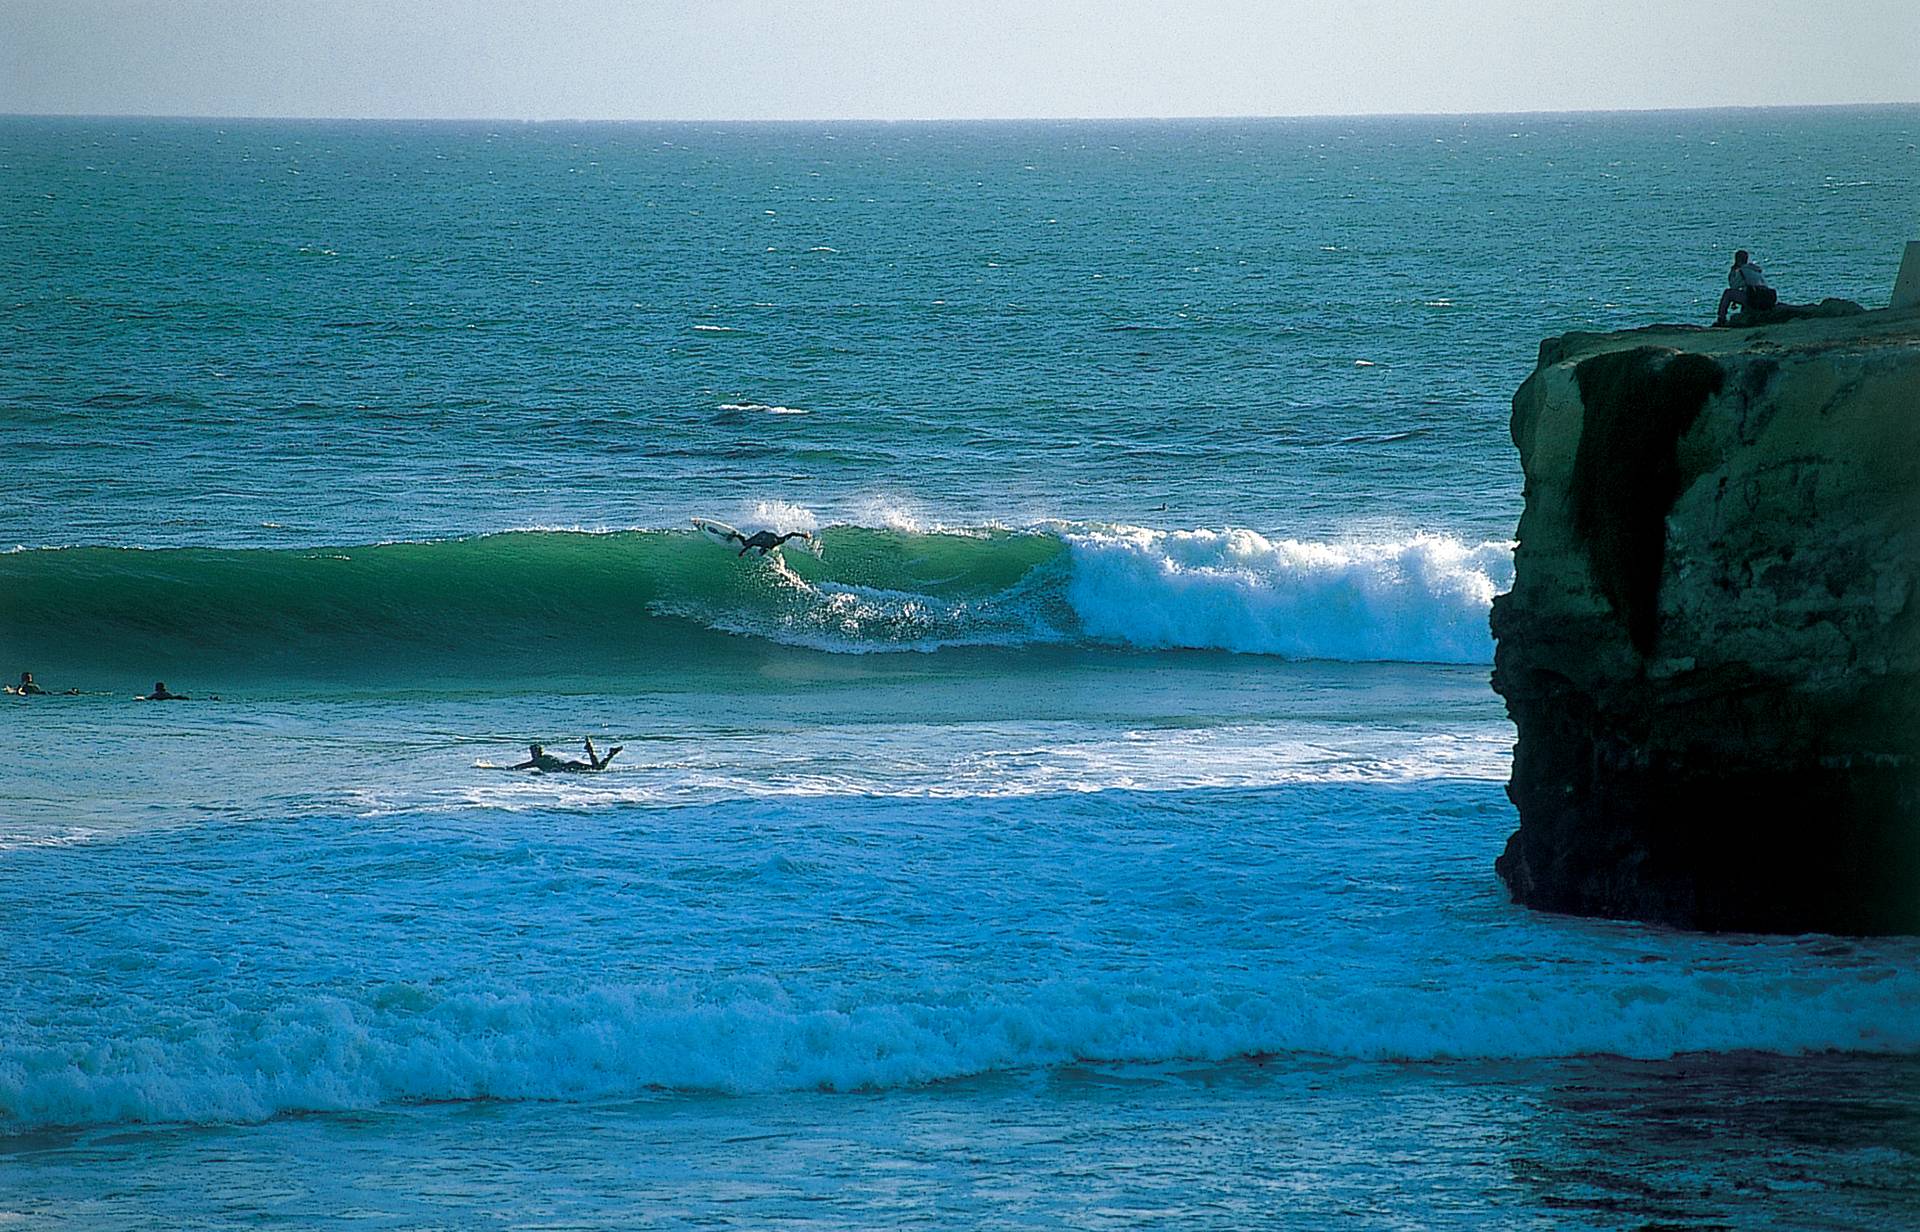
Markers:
point(1747, 287)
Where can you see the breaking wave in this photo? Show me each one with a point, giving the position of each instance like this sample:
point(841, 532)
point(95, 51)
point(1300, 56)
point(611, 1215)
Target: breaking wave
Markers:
point(514, 599)
point(403, 1042)
point(240, 972)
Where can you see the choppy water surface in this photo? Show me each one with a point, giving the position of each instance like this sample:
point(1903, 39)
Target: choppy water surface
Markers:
point(1091, 826)
point(344, 333)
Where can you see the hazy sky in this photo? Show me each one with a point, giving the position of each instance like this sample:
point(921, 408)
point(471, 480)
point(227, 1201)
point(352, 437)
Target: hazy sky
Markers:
point(769, 59)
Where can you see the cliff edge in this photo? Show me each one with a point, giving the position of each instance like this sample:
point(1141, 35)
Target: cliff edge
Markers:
point(1712, 646)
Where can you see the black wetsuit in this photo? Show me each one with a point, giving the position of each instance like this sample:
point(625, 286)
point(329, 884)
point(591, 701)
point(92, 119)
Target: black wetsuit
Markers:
point(765, 541)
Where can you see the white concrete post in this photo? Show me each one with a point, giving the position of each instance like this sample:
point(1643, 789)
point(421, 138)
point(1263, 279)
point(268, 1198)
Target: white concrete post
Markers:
point(1906, 287)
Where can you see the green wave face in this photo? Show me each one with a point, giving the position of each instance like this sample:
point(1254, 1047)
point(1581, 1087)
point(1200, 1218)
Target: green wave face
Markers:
point(551, 603)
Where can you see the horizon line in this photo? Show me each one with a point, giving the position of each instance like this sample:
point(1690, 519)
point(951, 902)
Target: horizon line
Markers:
point(1024, 119)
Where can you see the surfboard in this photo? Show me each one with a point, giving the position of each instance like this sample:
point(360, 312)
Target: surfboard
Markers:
point(722, 534)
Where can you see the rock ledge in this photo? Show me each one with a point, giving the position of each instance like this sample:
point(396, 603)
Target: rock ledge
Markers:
point(1712, 647)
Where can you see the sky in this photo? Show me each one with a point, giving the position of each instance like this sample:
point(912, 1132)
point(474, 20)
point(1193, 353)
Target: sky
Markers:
point(871, 59)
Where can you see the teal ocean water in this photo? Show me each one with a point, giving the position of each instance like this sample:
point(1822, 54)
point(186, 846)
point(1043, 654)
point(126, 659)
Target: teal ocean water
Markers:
point(1090, 825)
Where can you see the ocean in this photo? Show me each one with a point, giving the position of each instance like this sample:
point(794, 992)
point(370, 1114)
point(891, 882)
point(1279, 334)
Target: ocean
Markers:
point(1090, 825)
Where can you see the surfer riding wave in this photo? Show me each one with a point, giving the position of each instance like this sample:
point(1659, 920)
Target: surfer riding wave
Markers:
point(762, 541)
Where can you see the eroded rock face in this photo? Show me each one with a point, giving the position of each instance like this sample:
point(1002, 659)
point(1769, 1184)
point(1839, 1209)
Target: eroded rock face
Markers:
point(1712, 647)
point(1783, 312)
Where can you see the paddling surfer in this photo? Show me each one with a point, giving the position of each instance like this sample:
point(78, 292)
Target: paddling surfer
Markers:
point(29, 687)
point(160, 694)
point(547, 762)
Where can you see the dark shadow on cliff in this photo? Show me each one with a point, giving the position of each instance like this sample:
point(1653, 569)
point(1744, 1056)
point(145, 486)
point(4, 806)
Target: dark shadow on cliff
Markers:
point(1625, 476)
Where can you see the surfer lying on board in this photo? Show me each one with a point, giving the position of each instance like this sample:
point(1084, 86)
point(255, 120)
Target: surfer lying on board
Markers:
point(543, 760)
point(29, 687)
point(764, 541)
point(160, 694)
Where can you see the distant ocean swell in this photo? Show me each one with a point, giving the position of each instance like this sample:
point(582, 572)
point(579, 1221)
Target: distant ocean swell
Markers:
point(622, 598)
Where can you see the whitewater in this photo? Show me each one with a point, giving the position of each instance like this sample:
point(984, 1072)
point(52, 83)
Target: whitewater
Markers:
point(1092, 826)
point(893, 945)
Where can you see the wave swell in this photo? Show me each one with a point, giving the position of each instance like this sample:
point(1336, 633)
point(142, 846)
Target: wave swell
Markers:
point(621, 600)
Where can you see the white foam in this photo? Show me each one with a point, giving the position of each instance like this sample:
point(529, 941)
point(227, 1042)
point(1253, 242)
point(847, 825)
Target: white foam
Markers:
point(67, 836)
point(892, 513)
point(986, 761)
point(896, 513)
point(1422, 599)
point(781, 517)
point(750, 1034)
point(848, 619)
point(239, 971)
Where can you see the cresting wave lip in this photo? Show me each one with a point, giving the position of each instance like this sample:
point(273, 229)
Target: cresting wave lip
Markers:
point(620, 600)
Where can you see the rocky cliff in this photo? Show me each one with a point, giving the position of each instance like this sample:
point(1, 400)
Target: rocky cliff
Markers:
point(1712, 646)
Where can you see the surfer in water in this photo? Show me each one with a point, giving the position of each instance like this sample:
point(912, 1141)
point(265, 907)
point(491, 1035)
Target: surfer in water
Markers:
point(764, 541)
point(29, 687)
point(543, 760)
point(160, 694)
